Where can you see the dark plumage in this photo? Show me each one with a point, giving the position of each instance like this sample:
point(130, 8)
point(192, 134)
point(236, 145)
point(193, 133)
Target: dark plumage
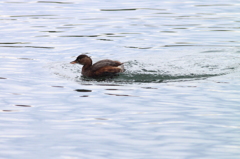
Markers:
point(101, 68)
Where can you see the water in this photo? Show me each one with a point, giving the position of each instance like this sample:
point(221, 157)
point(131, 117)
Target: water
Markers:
point(179, 97)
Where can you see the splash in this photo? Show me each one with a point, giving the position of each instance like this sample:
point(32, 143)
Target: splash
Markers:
point(160, 68)
point(180, 69)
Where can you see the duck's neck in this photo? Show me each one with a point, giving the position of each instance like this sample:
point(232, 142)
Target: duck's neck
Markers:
point(87, 64)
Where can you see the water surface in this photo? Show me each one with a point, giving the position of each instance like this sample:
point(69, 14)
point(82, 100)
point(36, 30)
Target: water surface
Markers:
point(179, 97)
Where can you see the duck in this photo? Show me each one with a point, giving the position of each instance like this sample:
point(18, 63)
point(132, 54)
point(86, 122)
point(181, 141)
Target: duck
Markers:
point(102, 68)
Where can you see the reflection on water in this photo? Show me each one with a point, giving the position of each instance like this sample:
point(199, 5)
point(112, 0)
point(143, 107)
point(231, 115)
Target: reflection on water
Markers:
point(179, 97)
point(83, 90)
point(8, 110)
point(23, 105)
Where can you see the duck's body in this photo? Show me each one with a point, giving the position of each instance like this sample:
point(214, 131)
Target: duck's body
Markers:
point(101, 68)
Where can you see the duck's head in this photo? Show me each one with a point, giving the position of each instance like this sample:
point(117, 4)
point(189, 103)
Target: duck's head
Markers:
point(82, 59)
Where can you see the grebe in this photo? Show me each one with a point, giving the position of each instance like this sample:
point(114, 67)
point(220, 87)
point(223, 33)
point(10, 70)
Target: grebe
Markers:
point(102, 68)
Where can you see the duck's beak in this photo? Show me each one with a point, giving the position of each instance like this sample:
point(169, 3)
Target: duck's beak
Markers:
point(73, 62)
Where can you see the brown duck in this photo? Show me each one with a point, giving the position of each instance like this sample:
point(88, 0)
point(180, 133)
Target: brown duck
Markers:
point(102, 68)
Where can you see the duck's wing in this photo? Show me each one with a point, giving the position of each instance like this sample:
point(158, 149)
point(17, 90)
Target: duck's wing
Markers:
point(103, 63)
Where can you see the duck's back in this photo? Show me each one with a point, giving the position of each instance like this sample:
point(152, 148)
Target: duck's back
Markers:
point(103, 63)
point(106, 67)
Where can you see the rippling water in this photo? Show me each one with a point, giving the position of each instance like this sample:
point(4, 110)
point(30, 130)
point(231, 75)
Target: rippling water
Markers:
point(179, 97)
